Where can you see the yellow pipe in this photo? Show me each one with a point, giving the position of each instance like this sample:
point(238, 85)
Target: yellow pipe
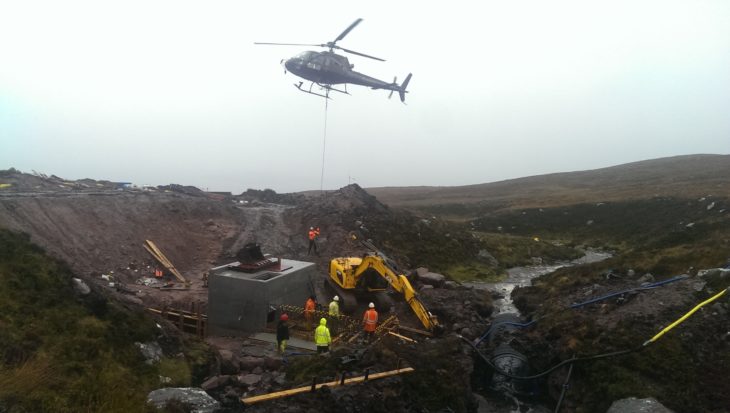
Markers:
point(684, 317)
point(306, 389)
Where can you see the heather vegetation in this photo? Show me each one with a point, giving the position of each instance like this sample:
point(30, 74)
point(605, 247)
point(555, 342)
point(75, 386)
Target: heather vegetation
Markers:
point(66, 352)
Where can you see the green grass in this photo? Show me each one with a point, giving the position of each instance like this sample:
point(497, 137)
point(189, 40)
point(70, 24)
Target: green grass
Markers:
point(475, 272)
point(514, 251)
point(509, 251)
point(64, 353)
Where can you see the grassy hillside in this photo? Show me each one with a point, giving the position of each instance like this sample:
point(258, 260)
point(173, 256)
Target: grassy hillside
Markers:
point(63, 352)
point(659, 235)
point(690, 175)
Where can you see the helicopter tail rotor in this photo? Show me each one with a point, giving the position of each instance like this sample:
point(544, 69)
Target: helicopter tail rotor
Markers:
point(402, 91)
point(395, 83)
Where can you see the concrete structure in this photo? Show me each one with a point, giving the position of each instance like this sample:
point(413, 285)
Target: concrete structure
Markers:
point(241, 302)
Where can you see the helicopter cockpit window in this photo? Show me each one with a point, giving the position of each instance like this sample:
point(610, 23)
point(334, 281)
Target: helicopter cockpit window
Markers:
point(315, 61)
point(304, 55)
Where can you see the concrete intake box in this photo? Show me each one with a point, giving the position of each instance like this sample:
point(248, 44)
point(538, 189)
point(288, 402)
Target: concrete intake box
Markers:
point(241, 302)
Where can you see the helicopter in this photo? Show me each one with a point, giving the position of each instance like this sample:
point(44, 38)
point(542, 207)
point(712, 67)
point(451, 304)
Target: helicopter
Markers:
point(327, 69)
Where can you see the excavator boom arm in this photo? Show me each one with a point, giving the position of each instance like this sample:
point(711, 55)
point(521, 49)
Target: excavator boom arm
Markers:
point(400, 283)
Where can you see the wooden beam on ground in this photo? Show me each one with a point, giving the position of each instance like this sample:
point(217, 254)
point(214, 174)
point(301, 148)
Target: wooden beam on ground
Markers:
point(162, 259)
point(354, 337)
point(299, 390)
point(402, 337)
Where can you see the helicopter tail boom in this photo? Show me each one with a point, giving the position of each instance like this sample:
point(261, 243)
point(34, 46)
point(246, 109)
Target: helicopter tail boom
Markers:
point(402, 92)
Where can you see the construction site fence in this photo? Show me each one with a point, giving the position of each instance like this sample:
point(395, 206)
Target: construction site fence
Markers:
point(193, 321)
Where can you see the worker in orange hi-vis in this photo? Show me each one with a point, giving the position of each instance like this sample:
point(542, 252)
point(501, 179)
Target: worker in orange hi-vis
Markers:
point(309, 311)
point(158, 273)
point(313, 234)
point(370, 321)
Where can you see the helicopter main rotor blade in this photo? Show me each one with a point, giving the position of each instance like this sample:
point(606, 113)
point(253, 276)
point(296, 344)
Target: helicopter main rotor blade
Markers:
point(287, 44)
point(347, 30)
point(359, 54)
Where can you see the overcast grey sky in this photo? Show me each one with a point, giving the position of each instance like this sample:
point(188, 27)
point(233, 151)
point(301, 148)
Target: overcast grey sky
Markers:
point(159, 92)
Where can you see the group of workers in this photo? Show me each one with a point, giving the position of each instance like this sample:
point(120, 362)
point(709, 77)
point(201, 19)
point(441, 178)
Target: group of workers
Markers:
point(322, 335)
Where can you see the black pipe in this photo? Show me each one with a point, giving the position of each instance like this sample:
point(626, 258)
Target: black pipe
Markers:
point(553, 368)
point(565, 387)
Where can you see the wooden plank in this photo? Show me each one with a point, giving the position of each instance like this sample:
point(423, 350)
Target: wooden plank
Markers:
point(299, 390)
point(354, 337)
point(158, 254)
point(415, 330)
point(402, 337)
point(162, 259)
point(199, 326)
point(152, 250)
point(176, 314)
point(166, 262)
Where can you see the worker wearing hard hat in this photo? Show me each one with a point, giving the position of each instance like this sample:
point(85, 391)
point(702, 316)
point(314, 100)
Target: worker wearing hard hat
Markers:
point(282, 333)
point(334, 313)
point(335, 306)
point(322, 337)
point(309, 308)
point(370, 321)
point(313, 234)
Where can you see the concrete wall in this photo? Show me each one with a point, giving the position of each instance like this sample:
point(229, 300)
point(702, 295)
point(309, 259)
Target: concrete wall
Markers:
point(238, 302)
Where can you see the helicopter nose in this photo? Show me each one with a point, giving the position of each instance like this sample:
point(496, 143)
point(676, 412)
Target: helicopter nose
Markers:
point(289, 64)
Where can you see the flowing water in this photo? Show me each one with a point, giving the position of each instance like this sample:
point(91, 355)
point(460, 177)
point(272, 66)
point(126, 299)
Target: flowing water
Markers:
point(522, 276)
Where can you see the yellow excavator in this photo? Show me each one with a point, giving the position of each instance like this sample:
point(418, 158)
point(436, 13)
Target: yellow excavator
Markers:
point(369, 276)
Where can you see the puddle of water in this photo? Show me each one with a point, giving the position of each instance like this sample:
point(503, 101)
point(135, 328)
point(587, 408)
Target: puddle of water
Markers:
point(522, 276)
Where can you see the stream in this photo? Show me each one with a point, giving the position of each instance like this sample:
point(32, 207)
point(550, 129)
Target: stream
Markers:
point(522, 276)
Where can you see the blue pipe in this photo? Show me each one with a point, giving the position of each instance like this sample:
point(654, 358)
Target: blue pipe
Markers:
point(285, 355)
point(646, 287)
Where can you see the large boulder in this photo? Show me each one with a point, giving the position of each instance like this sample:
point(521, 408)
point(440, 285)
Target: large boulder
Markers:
point(215, 382)
point(249, 379)
point(432, 278)
point(229, 362)
point(196, 398)
point(249, 363)
point(151, 351)
point(272, 362)
point(80, 286)
point(634, 405)
point(487, 258)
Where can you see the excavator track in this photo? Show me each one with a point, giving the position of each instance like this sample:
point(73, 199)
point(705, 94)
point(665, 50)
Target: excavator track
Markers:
point(348, 301)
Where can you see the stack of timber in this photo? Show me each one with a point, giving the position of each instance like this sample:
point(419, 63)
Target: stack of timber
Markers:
point(160, 257)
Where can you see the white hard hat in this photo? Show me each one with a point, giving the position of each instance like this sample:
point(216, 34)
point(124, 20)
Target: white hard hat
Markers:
point(371, 305)
point(311, 228)
point(336, 298)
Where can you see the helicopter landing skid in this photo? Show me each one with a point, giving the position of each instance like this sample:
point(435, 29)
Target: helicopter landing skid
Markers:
point(327, 89)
